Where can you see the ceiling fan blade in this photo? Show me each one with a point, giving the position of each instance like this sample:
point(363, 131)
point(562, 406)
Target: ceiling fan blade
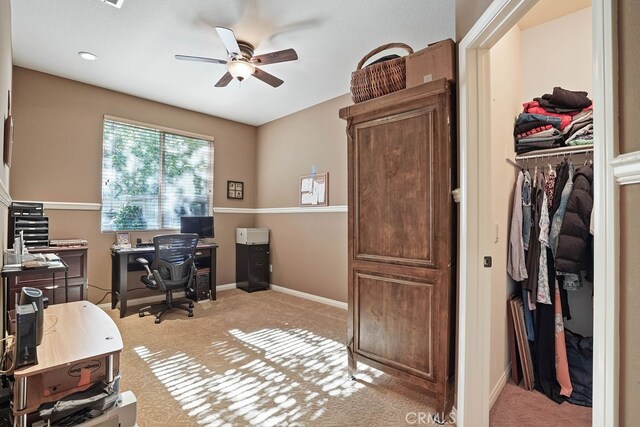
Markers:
point(274, 57)
point(200, 59)
point(225, 80)
point(229, 40)
point(267, 78)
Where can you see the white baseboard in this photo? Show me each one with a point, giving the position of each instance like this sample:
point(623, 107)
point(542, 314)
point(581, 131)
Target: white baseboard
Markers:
point(322, 300)
point(497, 389)
point(225, 287)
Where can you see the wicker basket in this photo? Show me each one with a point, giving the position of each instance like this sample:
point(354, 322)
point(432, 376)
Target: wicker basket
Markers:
point(381, 78)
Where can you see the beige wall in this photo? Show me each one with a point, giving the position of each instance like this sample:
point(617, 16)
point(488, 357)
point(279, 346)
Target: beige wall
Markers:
point(6, 71)
point(467, 13)
point(58, 155)
point(629, 303)
point(629, 63)
point(308, 250)
point(505, 104)
point(290, 146)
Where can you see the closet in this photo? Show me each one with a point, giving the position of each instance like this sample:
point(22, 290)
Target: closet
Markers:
point(401, 236)
point(528, 159)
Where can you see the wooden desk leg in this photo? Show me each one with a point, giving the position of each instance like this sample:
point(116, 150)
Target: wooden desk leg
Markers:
point(20, 401)
point(66, 286)
point(122, 285)
point(212, 275)
point(115, 269)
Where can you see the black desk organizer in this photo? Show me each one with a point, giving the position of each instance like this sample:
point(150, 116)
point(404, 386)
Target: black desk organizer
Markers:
point(29, 218)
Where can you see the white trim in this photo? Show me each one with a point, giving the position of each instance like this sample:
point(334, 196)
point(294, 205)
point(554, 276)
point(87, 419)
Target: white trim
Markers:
point(497, 389)
point(626, 168)
point(226, 287)
point(606, 203)
point(474, 334)
point(5, 197)
point(287, 210)
point(316, 298)
point(67, 206)
point(233, 210)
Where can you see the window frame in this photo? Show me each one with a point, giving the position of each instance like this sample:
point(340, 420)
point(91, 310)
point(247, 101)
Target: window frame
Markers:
point(163, 129)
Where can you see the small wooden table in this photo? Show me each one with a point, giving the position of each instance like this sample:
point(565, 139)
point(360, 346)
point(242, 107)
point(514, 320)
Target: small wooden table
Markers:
point(74, 332)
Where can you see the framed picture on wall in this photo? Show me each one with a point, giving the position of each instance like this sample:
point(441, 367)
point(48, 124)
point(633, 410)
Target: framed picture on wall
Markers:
point(235, 190)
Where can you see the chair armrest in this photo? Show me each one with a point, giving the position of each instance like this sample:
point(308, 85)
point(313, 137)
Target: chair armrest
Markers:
point(145, 263)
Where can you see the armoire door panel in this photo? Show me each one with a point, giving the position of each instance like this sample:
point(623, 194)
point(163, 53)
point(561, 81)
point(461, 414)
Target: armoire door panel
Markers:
point(394, 200)
point(395, 322)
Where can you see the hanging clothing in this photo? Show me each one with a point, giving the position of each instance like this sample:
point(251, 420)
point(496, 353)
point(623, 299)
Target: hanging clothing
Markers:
point(526, 210)
point(544, 295)
point(562, 364)
point(528, 316)
point(516, 262)
point(533, 254)
point(562, 175)
point(545, 347)
point(558, 217)
point(549, 186)
point(574, 252)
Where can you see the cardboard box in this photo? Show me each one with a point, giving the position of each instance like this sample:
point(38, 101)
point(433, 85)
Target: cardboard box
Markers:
point(432, 63)
point(77, 374)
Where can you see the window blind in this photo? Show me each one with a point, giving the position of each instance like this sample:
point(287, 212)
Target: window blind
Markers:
point(150, 177)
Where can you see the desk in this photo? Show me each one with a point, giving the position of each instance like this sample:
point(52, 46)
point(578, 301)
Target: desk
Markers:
point(75, 332)
point(49, 291)
point(124, 260)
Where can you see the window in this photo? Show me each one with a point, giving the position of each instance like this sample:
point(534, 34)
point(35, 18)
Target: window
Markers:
point(151, 177)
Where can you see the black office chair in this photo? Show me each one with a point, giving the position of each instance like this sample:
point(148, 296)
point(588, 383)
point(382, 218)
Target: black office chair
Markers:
point(173, 269)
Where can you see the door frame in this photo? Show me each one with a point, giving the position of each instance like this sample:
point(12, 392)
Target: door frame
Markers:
point(474, 350)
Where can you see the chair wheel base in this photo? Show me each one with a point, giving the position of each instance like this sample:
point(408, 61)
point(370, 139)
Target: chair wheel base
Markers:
point(141, 314)
point(190, 305)
point(157, 321)
point(190, 314)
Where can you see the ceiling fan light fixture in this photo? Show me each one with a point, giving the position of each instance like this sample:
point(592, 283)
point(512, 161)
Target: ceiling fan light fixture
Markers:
point(241, 69)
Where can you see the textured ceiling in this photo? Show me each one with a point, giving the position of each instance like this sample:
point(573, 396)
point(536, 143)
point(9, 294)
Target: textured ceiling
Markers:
point(135, 46)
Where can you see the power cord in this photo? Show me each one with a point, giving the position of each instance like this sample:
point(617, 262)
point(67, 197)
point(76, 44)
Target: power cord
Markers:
point(7, 351)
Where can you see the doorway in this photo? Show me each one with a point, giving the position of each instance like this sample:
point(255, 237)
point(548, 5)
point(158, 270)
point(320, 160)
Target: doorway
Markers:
point(476, 230)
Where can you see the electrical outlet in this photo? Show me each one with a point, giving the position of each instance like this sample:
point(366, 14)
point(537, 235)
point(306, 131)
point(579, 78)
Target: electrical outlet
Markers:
point(270, 268)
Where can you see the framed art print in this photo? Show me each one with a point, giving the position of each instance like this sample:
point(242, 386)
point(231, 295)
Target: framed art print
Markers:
point(235, 190)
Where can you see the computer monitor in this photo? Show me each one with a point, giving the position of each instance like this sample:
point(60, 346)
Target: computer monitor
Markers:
point(201, 225)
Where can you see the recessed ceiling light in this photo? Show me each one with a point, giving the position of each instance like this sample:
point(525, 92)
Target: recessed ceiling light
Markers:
point(87, 55)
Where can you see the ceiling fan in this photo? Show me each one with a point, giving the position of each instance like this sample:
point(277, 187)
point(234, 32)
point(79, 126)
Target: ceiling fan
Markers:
point(242, 63)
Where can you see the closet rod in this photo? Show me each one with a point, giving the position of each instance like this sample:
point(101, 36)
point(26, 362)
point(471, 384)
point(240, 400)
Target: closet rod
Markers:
point(578, 149)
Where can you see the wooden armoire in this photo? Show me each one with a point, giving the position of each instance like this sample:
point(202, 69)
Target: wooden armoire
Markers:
point(401, 244)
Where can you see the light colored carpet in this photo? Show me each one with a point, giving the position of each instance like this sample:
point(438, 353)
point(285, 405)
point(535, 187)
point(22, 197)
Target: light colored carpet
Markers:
point(518, 407)
point(265, 358)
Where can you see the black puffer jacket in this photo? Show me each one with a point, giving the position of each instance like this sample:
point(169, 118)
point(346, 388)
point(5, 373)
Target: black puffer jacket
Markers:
point(575, 249)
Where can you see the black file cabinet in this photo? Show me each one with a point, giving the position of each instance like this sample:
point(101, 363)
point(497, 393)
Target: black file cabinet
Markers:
point(252, 267)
